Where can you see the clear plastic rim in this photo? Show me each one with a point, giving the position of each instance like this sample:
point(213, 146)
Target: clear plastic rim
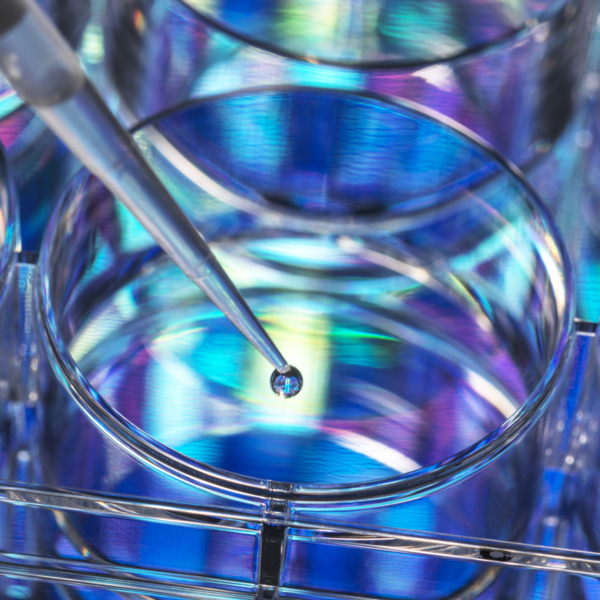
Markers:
point(401, 488)
point(392, 63)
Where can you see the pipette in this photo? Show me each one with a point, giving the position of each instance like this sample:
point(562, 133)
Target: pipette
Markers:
point(46, 73)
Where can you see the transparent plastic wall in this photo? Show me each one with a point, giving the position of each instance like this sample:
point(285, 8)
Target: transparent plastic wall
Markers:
point(567, 180)
point(510, 72)
point(15, 352)
point(9, 240)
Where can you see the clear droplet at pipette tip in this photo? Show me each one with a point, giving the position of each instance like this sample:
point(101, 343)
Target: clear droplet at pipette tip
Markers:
point(287, 381)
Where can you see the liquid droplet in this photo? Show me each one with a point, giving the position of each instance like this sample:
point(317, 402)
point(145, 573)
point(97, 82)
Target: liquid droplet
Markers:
point(288, 384)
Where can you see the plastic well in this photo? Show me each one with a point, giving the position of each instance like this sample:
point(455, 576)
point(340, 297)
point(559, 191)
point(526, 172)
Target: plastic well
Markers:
point(430, 315)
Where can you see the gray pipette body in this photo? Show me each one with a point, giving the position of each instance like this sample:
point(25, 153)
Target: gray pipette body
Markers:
point(46, 73)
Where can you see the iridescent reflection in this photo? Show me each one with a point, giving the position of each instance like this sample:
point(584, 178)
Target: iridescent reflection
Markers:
point(358, 31)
